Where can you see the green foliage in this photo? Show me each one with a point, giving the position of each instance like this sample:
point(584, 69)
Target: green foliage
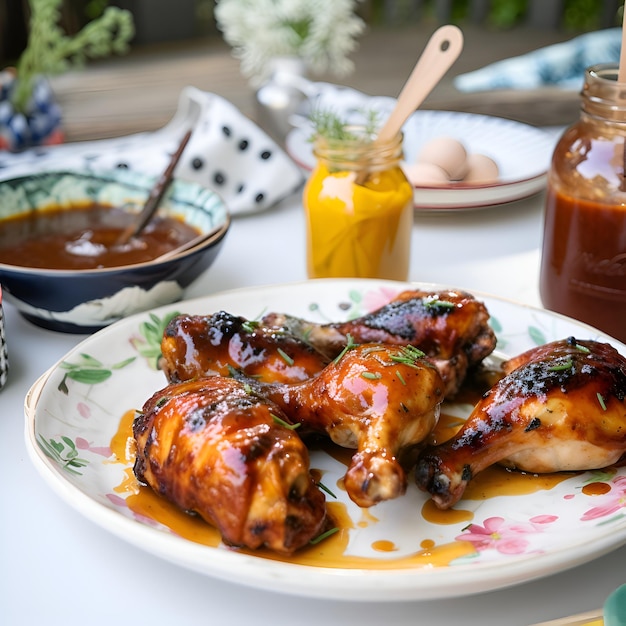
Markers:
point(578, 15)
point(50, 51)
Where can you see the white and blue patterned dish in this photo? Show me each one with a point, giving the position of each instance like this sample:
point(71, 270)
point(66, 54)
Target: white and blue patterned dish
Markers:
point(83, 301)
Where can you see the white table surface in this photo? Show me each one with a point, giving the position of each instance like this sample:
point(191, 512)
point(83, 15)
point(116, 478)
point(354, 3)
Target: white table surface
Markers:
point(57, 567)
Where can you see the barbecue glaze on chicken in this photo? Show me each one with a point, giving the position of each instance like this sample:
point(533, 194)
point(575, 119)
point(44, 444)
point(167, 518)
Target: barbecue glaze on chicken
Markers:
point(381, 400)
point(215, 448)
point(560, 407)
point(451, 327)
point(194, 346)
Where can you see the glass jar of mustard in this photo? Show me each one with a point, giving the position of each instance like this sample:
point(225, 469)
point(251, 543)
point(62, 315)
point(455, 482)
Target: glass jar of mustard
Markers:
point(583, 266)
point(359, 209)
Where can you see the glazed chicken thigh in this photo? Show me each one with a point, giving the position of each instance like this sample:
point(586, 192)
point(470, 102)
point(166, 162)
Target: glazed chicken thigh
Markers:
point(560, 407)
point(215, 448)
point(451, 327)
point(382, 401)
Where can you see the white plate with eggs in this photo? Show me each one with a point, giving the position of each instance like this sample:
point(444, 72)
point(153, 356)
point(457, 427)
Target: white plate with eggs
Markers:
point(490, 160)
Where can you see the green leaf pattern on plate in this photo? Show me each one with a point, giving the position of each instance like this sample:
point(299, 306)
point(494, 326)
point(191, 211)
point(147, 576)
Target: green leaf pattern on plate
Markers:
point(64, 452)
point(89, 371)
point(149, 346)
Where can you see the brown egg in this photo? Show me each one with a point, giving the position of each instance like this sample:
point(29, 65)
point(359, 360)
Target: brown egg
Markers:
point(425, 174)
point(447, 153)
point(481, 170)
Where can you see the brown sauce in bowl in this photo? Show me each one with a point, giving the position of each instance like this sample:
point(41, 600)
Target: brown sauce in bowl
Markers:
point(84, 237)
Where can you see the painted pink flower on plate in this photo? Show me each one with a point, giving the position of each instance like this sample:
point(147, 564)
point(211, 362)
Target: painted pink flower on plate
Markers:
point(611, 502)
point(496, 534)
point(377, 298)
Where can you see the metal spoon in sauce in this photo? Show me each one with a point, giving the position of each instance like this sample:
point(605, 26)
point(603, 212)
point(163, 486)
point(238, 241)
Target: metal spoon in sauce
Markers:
point(156, 195)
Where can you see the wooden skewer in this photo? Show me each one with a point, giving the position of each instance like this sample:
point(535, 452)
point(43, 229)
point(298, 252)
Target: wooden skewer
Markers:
point(156, 195)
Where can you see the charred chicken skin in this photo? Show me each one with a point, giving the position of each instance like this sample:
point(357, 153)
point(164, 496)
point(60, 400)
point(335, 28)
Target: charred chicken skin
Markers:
point(194, 346)
point(380, 400)
point(215, 448)
point(560, 407)
point(451, 327)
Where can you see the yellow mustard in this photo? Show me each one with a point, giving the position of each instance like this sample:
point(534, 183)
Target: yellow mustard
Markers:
point(359, 210)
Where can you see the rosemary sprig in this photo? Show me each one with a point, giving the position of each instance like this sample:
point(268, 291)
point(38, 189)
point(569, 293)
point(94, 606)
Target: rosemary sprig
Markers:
point(409, 355)
point(323, 487)
point(282, 422)
point(561, 367)
point(285, 357)
point(323, 536)
point(333, 128)
point(250, 325)
point(349, 345)
point(371, 375)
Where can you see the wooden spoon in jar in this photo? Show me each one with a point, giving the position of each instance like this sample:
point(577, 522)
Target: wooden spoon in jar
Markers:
point(441, 51)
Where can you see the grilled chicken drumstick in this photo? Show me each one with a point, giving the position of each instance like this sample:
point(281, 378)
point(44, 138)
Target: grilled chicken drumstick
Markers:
point(207, 345)
point(215, 448)
point(381, 400)
point(560, 407)
point(451, 327)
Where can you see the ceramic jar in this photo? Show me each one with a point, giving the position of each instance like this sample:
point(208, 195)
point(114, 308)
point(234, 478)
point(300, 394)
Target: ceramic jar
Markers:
point(583, 267)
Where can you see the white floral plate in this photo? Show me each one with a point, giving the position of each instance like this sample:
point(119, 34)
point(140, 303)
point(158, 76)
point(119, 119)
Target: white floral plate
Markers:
point(522, 152)
point(393, 551)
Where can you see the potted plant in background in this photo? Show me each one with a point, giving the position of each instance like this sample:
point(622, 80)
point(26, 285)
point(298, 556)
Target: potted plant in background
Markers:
point(29, 114)
point(279, 41)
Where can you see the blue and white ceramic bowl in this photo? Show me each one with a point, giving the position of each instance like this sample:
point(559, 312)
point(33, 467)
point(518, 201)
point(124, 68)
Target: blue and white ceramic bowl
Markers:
point(83, 301)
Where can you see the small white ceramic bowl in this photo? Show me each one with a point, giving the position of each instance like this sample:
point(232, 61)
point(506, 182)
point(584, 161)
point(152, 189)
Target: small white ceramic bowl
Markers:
point(82, 301)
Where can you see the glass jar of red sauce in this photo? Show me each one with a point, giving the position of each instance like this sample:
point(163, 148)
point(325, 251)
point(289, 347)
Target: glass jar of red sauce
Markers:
point(359, 208)
point(583, 266)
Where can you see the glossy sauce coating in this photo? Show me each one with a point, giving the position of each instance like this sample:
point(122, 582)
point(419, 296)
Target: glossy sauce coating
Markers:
point(216, 344)
point(84, 237)
point(212, 447)
point(560, 407)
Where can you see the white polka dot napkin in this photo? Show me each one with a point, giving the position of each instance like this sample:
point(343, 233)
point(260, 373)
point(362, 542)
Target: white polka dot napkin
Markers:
point(227, 153)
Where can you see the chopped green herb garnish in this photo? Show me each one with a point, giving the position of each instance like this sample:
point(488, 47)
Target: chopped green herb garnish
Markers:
point(349, 345)
point(285, 357)
point(282, 422)
point(582, 348)
point(249, 326)
point(433, 302)
point(323, 536)
point(562, 366)
point(247, 388)
point(601, 401)
point(400, 377)
point(409, 355)
point(161, 401)
point(323, 487)
point(404, 407)
point(371, 375)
